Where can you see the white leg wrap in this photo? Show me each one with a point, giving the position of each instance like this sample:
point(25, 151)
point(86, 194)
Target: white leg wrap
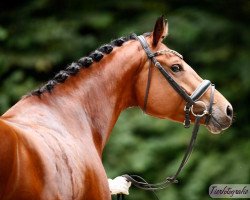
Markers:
point(119, 185)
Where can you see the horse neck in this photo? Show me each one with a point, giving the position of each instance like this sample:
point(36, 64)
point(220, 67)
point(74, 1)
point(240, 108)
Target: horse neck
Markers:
point(100, 92)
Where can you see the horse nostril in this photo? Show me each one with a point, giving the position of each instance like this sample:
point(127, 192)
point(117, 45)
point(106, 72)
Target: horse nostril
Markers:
point(229, 111)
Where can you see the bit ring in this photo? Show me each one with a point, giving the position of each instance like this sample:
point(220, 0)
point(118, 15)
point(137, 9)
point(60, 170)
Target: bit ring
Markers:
point(205, 111)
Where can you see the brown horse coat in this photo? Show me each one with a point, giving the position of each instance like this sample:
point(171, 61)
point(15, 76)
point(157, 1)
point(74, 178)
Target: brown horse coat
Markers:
point(51, 144)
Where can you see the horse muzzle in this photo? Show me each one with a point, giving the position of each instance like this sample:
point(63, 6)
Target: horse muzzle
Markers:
point(220, 120)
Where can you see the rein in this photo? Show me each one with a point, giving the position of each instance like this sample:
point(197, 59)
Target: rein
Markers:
point(191, 100)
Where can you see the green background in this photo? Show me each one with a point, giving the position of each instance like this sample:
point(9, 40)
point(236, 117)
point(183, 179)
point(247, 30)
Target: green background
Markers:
point(37, 38)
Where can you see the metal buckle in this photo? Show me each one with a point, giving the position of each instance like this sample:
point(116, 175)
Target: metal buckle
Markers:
point(187, 109)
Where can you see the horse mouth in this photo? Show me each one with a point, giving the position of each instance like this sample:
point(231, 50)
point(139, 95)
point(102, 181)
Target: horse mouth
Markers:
point(216, 127)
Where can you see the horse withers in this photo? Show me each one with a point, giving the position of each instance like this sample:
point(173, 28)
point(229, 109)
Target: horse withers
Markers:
point(51, 141)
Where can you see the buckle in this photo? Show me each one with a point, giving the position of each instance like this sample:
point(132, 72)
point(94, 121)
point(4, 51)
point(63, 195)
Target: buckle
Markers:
point(187, 109)
point(172, 180)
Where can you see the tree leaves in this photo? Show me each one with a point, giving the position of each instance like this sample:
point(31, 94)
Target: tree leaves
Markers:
point(37, 38)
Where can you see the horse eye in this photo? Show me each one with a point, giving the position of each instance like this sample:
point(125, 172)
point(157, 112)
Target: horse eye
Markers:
point(176, 68)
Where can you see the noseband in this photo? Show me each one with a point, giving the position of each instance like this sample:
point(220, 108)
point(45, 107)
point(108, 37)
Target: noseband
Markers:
point(191, 100)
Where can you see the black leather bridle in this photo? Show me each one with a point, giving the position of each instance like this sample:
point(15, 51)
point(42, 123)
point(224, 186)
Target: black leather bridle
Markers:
point(191, 100)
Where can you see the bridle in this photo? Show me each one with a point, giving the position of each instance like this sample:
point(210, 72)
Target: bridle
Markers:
point(191, 100)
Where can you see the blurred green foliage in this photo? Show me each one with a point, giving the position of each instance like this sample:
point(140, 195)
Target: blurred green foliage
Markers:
point(37, 38)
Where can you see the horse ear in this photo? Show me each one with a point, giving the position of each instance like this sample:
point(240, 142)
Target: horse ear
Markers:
point(160, 30)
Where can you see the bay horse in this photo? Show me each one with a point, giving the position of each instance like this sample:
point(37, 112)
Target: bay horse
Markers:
point(51, 141)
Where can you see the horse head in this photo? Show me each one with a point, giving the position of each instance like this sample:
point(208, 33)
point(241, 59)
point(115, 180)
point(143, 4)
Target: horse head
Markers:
point(157, 97)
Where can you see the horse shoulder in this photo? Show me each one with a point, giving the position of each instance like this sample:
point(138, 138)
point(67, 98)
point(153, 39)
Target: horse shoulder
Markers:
point(20, 172)
point(27, 167)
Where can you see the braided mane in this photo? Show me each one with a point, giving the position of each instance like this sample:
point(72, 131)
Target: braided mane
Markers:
point(82, 63)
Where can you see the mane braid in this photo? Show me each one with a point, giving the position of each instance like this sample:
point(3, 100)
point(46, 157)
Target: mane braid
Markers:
point(84, 62)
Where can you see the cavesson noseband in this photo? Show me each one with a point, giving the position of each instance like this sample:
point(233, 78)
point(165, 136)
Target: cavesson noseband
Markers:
point(191, 100)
